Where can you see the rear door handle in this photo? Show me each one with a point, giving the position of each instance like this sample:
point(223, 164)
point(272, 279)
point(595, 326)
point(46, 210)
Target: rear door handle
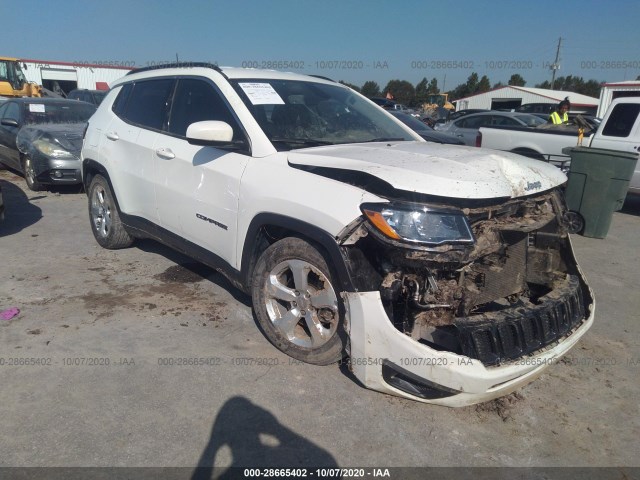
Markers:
point(165, 153)
point(113, 136)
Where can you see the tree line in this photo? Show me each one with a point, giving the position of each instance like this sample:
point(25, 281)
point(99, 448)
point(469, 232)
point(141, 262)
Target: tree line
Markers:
point(413, 96)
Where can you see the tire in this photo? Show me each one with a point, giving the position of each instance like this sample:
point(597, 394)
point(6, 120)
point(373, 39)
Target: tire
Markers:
point(574, 222)
point(104, 218)
point(529, 153)
point(292, 281)
point(30, 175)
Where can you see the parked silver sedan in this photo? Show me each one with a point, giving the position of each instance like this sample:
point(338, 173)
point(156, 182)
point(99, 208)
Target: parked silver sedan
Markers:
point(466, 128)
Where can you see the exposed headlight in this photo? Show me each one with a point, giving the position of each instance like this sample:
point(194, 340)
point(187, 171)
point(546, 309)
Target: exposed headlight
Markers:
point(51, 149)
point(418, 223)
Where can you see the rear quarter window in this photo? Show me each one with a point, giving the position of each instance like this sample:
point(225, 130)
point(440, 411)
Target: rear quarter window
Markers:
point(120, 102)
point(621, 120)
point(147, 103)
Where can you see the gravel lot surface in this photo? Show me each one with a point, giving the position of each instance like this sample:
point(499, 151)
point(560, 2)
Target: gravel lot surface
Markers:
point(100, 378)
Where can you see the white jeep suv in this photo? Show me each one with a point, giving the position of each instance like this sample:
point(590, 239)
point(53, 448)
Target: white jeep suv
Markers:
point(445, 273)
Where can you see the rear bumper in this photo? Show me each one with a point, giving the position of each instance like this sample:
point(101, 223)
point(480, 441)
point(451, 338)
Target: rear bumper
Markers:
point(386, 360)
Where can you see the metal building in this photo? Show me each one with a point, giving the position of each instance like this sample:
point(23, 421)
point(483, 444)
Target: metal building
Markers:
point(509, 97)
point(69, 76)
point(611, 91)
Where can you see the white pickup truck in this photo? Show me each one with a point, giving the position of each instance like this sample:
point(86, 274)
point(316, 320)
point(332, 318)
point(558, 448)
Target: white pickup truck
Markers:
point(619, 130)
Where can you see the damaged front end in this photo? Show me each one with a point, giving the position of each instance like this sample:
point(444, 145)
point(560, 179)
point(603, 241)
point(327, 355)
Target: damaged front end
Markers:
point(493, 284)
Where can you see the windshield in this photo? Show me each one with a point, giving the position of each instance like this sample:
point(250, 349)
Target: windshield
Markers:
point(298, 114)
point(58, 112)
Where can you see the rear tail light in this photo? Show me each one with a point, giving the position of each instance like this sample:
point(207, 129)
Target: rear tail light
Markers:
point(479, 139)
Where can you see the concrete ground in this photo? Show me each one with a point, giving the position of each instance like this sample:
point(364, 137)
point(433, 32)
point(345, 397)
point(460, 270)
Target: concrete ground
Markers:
point(89, 368)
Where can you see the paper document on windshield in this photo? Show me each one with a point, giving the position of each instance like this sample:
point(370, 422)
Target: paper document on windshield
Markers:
point(261, 94)
point(36, 107)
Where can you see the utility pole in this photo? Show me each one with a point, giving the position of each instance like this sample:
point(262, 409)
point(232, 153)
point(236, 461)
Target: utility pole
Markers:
point(556, 65)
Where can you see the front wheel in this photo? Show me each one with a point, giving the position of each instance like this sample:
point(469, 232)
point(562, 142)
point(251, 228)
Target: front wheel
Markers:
point(103, 215)
point(30, 175)
point(296, 303)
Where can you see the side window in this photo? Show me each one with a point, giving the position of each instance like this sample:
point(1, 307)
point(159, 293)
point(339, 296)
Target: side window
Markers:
point(3, 108)
point(121, 100)
point(195, 101)
point(499, 120)
point(621, 120)
point(474, 122)
point(147, 105)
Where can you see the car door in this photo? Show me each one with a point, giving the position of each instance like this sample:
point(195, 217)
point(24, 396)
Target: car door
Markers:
point(9, 154)
point(197, 187)
point(466, 129)
point(141, 112)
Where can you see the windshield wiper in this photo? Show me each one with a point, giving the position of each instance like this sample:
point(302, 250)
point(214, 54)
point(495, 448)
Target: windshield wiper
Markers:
point(386, 139)
point(308, 142)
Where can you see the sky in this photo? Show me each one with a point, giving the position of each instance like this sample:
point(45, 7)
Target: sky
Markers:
point(350, 40)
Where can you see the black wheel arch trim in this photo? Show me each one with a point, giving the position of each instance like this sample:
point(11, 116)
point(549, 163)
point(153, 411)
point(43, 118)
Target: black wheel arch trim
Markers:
point(312, 232)
point(98, 167)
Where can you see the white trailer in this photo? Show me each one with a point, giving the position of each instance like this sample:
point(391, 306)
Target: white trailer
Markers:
point(611, 91)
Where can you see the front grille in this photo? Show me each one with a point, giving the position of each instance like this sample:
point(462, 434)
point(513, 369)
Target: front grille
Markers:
point(494, 338)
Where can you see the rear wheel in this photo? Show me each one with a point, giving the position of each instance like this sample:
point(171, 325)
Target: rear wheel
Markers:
point(296, 303)
point(529, 153)
point(103, 215)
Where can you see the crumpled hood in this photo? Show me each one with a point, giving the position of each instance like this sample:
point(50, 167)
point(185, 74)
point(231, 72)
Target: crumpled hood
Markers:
point(440, 170)
point(67, 135)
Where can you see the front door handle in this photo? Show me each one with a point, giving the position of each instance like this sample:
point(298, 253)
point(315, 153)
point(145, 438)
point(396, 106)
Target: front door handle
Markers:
point(113, 136)
point(165, 153)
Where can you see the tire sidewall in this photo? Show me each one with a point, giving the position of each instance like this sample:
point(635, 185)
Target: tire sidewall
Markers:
point(117, 236)
point(293, 248)
point(33, 185)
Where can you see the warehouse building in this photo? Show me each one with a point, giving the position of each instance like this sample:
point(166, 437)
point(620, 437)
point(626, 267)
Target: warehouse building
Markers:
point(56, 76)
point(510, 97)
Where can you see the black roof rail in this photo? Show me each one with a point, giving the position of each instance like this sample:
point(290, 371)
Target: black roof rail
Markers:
point(178, 65)
point(323, 78)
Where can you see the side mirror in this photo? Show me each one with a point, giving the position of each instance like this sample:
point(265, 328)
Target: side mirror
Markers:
point(210, 132)
point(10, 122)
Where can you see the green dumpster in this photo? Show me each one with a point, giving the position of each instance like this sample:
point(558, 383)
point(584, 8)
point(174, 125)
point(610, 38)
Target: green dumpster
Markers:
point(597, 186)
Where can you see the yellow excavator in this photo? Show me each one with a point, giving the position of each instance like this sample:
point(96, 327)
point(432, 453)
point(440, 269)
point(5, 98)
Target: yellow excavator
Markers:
point(13, 83)
point(437, 106)
point(438, 100)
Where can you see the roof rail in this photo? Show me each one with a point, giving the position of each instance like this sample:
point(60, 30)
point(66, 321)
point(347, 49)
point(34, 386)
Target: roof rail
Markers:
point(323, 78)
point(178, 65)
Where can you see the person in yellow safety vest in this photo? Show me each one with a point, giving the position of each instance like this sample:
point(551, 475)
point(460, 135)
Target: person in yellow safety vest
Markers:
point(560, 116)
